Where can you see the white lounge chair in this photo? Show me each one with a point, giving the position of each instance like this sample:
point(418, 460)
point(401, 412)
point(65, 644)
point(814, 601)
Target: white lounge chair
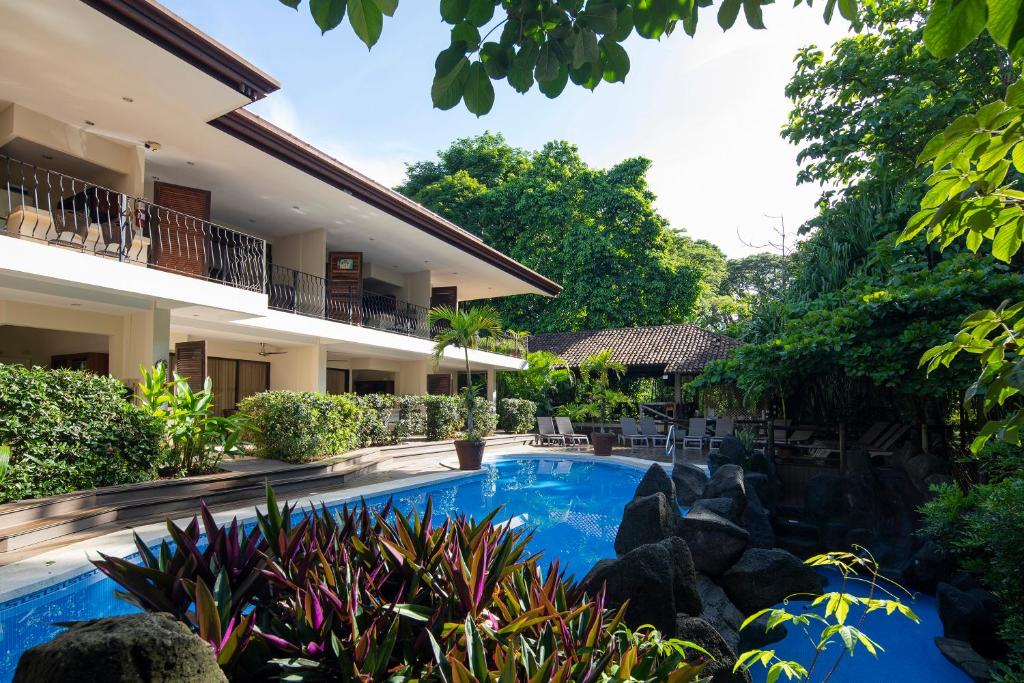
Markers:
point(565, 429)
point(649, 428)
point(725, 426)
point(630, 434)
point(696, 434)
point(546, 432)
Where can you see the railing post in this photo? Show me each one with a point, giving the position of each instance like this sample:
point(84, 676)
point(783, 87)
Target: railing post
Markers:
point(295, 291)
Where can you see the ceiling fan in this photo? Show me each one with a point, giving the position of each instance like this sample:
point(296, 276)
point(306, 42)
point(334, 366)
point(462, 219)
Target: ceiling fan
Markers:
point(264, 352)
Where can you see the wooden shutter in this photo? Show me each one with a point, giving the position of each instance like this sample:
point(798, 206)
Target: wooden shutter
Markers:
point(439, 385)
point(345, 286)
point(224, 373)
point(190, 362)
point(444, 296)
point(179, 241)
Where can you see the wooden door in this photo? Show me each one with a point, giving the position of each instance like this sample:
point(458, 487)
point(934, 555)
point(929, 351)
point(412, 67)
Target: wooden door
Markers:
point(345, 286)
point(443, 296)
point(179, 239)
point(190, 362)
point(439, 384)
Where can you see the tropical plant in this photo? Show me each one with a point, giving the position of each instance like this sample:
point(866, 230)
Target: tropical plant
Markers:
point(545, 378)
point(300, 426)
point(463, 328)
point(516, 415)
point(836, 625)
point(365, 594)
point(599, 398)
point(5, 462)
point(195, 437)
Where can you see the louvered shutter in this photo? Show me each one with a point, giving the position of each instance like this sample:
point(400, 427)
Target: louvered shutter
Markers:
point(190, 362)
point(439, 385)
point(179, 241)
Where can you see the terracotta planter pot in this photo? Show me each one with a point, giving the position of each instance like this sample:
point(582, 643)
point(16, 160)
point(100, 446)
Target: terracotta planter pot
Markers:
point(602, 442)
point(471, 454)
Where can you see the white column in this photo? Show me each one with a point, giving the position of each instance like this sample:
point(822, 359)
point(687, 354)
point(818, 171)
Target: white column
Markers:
point(492, 385)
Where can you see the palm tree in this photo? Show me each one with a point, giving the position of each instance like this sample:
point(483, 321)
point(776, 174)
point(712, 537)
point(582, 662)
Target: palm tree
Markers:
point(596, 372)
point(463, 329)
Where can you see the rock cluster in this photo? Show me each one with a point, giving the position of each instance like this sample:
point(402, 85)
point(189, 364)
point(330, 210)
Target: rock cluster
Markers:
point(696, 576)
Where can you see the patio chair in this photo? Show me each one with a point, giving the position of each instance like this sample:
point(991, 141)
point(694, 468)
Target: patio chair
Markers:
point(649, 428)
point(695, 434)
point(630, 433)
point(725, 426)
point(799, 436)
point(565, 429)
point(546, 432)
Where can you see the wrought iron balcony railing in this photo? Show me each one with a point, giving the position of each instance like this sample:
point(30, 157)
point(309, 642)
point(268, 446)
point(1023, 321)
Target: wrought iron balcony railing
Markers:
point(305, 294)
point(52, 207)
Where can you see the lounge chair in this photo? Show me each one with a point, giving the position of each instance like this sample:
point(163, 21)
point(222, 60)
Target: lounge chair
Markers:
point(546, 432)
point(725, 426)
point(565, 429)
point(695, 433)
point(630, 433)
point(649, 428)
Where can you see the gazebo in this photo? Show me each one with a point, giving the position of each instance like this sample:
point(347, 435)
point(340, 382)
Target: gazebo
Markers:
point(679, 352)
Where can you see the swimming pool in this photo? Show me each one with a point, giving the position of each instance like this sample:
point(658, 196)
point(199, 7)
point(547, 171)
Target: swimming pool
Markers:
point(574, 505)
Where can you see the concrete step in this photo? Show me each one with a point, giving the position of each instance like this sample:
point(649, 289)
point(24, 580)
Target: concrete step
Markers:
point(149, 503)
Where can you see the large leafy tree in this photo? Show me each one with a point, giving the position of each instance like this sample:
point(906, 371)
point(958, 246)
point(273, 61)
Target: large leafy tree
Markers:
point(595, 231)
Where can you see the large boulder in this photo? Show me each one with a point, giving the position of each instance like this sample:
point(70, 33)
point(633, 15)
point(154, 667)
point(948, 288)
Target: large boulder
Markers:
point(962, 655)
point(720, 612)
point(657, 579)
point(732, 452)
point(139, 648)
point(689, 481)
point(757, 522)
point(656, 479)
point(714, 541)
point(922, 466)
point(719, 669)
point(648, 519)
point(970, 615)
point(723, 507)
point(764, 486)
point(727, 482)
point(928, 567)
point(764, 577)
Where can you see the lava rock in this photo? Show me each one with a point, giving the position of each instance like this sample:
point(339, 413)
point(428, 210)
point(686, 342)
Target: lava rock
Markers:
point(714, 541)
point(970, 615)
point(689, 481)
point(962, 655)
point(719, 611)
point(649, 577)
point(727, 482)
point(763, 486)
point(732, 452)
point(928, 567)
point(921, 466)
point(723, 507)
point(684, 577)
point(656, 479)
point(764, 577)
point(139, 647)
point(823, 497)
point(757, 522)
point(757, 634)
point(648, 519)
point(700, 632)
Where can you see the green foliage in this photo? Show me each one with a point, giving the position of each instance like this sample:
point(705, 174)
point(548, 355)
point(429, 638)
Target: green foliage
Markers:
point(301, 426)
point(375, 595)
point(546, 381)
point(69, 431)
point(412, 417)
point(516, 415)
point(595, 395)
point(485, 417)
point(376, 411)
point(195, 437)
point(445, 416)
point(5, 462)
point(839, 626)
point(594, 231)
point(984, 530)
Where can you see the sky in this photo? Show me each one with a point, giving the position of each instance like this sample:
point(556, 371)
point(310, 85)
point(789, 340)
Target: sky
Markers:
point(706, 110)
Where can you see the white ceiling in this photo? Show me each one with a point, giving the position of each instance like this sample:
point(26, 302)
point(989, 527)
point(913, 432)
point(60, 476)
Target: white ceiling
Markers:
point(67, 61)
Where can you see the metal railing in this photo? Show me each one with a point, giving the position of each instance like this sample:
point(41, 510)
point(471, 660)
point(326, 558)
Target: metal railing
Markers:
point(305, 294)
point(64, 211)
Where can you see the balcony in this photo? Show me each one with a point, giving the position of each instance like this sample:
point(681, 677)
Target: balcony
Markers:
point(63, 211)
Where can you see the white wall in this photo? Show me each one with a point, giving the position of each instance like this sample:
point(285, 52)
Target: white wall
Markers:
point(305, 252)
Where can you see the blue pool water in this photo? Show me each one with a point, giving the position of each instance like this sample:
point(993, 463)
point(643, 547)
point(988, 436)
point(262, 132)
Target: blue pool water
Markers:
point(575, 507)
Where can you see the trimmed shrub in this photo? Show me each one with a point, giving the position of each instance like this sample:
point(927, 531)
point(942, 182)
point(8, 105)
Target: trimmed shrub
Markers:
point(298, 426)
point(412, 416)
point(485, 418)
point(516, 415)
point(444, 417)
point(70, 430)
point(377, 410)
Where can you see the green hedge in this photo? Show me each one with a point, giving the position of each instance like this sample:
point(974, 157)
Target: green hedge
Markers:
point(444, 417)
point(302, 426)
point(412, 416)
point(517, 415)
point(373, 428)
point(71, 430)
point(485, 418)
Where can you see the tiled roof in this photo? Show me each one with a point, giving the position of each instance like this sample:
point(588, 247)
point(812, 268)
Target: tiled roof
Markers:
point(685, 348)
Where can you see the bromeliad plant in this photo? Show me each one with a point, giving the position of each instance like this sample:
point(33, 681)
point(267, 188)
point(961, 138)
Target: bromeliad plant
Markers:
point(374, 595)
point(836, 623)
point(195, 437)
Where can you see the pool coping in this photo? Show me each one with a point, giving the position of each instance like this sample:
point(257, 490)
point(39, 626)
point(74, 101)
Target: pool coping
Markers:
point(56, 566)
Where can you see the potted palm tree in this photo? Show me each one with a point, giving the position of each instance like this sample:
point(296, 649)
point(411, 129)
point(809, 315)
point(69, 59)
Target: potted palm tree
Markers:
point(464, 328)
point(596, 372)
